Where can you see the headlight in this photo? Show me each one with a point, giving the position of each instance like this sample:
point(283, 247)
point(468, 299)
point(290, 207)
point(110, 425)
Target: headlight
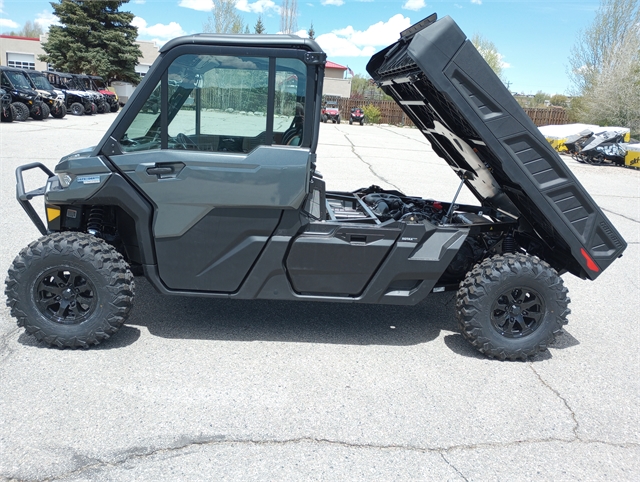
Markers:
point(64, 178)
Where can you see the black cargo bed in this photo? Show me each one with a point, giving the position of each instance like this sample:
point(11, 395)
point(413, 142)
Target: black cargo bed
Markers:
point(472, 121)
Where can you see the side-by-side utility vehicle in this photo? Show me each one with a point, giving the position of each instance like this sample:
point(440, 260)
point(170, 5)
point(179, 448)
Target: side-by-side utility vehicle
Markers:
point(214, 192)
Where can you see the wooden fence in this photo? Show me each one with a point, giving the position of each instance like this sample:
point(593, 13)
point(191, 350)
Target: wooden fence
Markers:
point(391, 113)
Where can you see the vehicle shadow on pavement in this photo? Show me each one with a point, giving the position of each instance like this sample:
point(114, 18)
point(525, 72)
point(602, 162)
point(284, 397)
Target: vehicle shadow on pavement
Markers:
point(127, 335)
point(291, 321)
point(457, 344)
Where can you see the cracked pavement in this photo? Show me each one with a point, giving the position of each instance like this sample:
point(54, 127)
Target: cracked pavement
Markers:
point(196, 389)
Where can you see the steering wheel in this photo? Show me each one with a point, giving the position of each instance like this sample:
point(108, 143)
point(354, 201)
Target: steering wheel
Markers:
point(186, 142)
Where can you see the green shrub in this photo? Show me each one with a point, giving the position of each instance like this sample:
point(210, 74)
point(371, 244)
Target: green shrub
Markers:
point(372, 114)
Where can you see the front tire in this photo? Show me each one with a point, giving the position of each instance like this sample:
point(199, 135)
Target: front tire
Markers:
point(8, 113)
point(59, 111)
point(512, 306)
point(22, 111)
point(70, 290)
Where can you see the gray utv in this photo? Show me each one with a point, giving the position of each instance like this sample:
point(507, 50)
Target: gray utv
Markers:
point(206, 184)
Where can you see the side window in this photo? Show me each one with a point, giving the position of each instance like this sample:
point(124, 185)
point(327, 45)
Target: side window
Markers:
point(5, 81)
point(224, 107)
point(144, 132)
point(221, 103)
point(289, 101)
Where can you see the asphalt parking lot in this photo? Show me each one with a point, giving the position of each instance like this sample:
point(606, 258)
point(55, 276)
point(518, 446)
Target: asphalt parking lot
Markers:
point(198, 389)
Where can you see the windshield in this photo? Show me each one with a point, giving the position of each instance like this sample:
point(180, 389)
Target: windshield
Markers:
point(70, 83)
point(100, 84)
point(41, 82)
point(86, 83)
point(18, 80)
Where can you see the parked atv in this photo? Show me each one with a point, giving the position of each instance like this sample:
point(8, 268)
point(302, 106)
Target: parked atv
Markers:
point(85, 83)
point(78, 102)
point(7, 113)
point(53, 100)
point(357, 115)
point(331, 112)
point(111, 97)
point(26, 101)
point(206, 198)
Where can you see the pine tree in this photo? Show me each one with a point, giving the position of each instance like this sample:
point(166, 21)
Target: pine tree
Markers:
point(93, 38)
point(259, 26)
point(311, 32)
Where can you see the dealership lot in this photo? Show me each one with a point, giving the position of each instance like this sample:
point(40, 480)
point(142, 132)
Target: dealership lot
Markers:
point(198, 389)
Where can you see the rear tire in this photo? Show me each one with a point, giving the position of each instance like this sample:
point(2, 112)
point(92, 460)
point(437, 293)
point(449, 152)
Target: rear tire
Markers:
point(70, 290)
point(77, 108)
point(22, 111)
point(512, 306)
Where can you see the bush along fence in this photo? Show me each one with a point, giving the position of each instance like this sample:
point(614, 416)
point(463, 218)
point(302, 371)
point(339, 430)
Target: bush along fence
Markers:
point(391, 113)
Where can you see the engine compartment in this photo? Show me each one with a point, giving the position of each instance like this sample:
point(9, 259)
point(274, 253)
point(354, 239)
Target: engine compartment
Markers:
point(378, 206)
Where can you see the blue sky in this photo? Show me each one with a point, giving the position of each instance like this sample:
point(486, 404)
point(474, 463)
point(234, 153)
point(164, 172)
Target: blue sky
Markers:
point(534, 37)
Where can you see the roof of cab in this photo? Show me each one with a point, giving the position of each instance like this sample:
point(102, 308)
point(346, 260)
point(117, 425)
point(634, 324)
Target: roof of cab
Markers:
point(243, 40)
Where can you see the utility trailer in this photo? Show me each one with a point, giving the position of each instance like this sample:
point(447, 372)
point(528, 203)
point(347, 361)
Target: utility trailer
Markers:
point(206, 184)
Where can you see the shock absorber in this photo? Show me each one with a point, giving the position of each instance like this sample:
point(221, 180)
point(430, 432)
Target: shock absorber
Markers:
point(95, 222)
point(509, 244)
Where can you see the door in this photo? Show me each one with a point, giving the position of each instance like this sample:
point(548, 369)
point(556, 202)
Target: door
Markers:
point(207, 148)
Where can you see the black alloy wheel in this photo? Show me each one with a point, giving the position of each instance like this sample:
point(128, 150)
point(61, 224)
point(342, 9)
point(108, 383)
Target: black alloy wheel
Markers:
point(65, 295)
point(517, 312)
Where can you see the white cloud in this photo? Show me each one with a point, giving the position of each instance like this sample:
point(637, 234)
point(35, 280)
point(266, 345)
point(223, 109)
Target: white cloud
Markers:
point(159, 32)
point(414, 5)
point(477, 2)
point(1, 6)
point(337, 3)
point(46, 19)
point(258, 6)
point(5, 22)
point(140, 2)
point(200, 5)
point(348, 42)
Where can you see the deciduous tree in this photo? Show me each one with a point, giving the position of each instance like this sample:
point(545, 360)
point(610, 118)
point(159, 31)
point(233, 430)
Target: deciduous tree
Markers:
point(93, 38)
point(30, 29)
point(604, 66)
point(224, 18)
point(289, 16)
point(489, 53)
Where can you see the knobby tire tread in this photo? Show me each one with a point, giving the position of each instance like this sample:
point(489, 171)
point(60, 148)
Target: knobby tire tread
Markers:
point(473, 302)
point(107, 263)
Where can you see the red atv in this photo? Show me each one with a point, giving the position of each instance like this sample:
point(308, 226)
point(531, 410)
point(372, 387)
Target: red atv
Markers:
point(330, 112)
point(357, 115)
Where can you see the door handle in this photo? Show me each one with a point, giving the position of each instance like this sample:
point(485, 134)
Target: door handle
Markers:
point(159, 171)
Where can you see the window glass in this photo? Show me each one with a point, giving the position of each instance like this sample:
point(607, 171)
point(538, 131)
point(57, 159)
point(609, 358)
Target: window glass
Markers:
point(223, 104)
point(144, 131)
point(220, 103)
point(289, 101)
